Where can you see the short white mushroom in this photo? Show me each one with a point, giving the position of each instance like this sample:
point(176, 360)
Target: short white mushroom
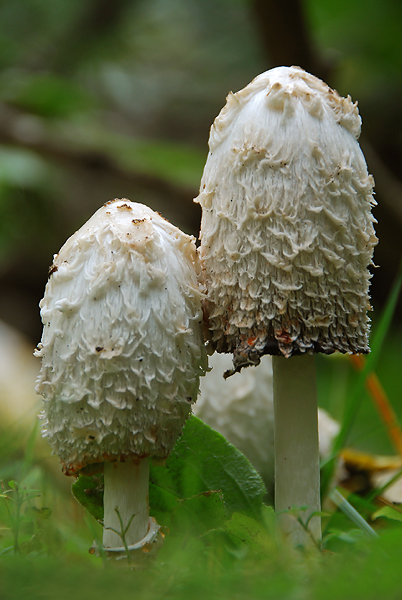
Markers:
point(286, 240)
point(122, 352)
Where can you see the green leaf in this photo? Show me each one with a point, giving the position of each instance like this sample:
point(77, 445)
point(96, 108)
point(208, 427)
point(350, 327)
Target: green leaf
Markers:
point(89, 492)
point(389, 513)
point(337, 539)
point(197, 515)
point(242, 530)
point(203, 460)
point(162, 503)
point(205, 479)
point(241, 536)
point(34, 544)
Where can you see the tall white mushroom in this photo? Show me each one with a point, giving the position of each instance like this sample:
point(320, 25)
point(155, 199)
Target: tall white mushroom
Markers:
point(286, 240)
point(122, 352)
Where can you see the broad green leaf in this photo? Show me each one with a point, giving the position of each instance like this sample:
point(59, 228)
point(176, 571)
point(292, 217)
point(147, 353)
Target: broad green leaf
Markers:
point(89, 492)
point(242, 536)
point(199, 514)
point(162, 503)
point(336, 540)
point(269, 516)
point(33, 544)
point(244, 530)
point(204, 461)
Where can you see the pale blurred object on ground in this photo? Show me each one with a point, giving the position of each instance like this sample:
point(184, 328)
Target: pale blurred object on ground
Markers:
point(362, 472)
point(393, 493)
point(241, 408)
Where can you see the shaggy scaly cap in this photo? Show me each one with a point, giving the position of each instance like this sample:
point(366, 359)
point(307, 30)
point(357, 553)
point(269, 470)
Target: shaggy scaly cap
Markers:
point(287, 232)
point(122, 347)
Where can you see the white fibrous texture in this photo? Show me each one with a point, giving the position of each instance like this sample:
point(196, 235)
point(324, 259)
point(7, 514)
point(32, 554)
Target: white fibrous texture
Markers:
point(287, 232)
point(241, 408)
point(122, 346)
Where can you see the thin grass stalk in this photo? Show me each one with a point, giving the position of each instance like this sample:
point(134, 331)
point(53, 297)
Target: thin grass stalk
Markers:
point(353, 403)
point(382, 403)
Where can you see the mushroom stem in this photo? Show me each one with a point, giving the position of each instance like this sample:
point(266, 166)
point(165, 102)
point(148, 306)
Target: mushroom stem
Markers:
point(127, 490)
point(297, 462)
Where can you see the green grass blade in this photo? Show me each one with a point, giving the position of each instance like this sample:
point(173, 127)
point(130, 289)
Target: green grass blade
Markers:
point(352, 513)
point(354, 401)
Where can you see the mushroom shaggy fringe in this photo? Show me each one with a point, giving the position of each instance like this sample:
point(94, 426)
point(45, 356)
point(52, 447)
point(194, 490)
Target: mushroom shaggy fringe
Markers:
point(122, 346)
point(287, 231)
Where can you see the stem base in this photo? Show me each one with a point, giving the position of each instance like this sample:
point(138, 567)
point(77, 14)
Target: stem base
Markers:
point(126, 510)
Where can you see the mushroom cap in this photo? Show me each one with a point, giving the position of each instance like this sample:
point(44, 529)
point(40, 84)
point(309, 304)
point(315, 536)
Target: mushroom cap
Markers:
point(287, 232)
point(241, 408)
point(122, 346)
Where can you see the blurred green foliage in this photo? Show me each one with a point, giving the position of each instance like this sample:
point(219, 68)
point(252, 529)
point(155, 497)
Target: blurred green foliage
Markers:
point(362, 38)
point(103, 99)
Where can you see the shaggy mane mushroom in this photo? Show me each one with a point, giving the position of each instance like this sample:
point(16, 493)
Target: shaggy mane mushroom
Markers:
point(287, 237)
point(122, 351)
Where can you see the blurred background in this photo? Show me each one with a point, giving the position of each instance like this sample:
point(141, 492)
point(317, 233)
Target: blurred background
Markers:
point(102, 99)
